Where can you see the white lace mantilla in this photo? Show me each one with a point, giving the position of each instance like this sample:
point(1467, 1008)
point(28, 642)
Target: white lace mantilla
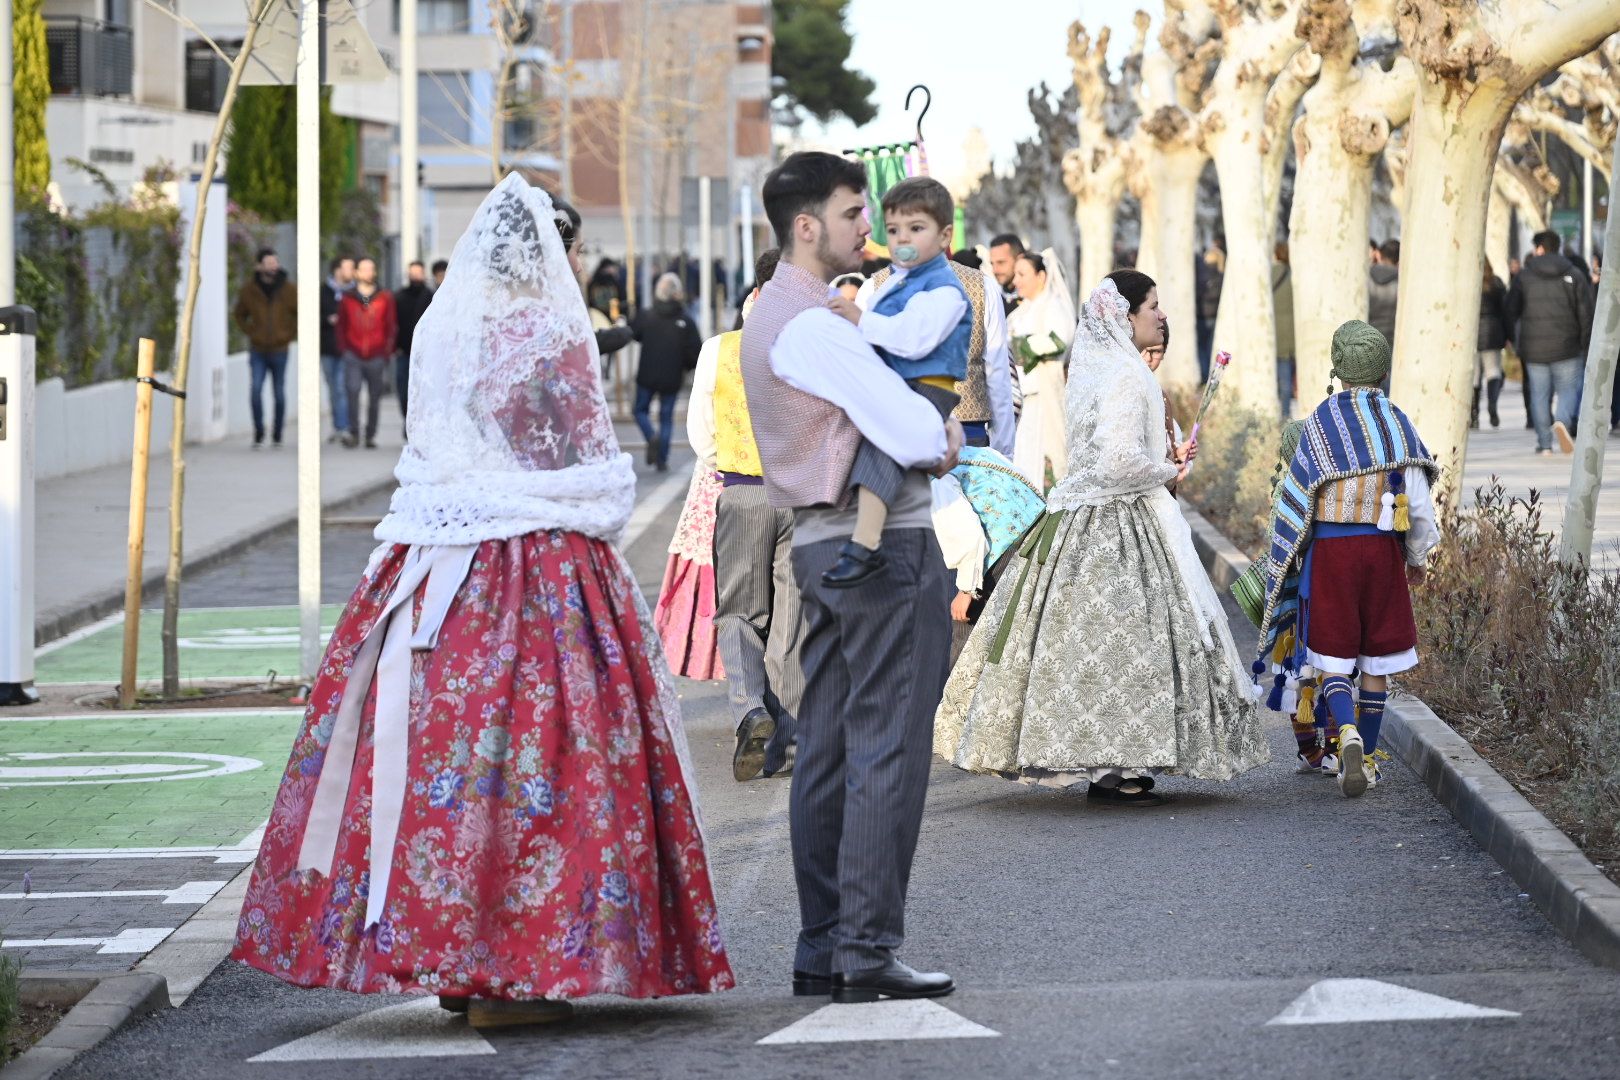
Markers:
point(509, 430)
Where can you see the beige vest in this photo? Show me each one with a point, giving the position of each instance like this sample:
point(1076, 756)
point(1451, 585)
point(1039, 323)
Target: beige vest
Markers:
point(806, 445)
point(975, 394)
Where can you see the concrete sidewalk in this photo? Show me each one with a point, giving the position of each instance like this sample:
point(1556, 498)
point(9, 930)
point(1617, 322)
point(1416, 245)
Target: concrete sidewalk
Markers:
point(1508, 453)
point(234, 495)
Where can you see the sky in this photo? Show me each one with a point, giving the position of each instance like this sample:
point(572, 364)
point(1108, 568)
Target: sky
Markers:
point(988, 56)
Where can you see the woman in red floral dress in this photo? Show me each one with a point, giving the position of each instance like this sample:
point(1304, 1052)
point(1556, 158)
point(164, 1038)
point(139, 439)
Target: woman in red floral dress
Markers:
point(491, 798)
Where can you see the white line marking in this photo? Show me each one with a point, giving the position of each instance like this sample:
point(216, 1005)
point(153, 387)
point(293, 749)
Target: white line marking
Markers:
point(192, 892)
point(656, 502)
point(415, 1029)
point(882, 1021)
point(1361, 1001)
point(76, 636)
point(138, 714)
point(226, 853)
point(137, 940)
point(253, 839)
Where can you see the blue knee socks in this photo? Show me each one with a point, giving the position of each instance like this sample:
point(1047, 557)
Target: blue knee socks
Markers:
point(1372, 717)
point(1340, 698)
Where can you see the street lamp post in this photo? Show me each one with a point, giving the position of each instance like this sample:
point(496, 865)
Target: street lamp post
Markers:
point(8, 193)
point(410, 189)
point(307, 98)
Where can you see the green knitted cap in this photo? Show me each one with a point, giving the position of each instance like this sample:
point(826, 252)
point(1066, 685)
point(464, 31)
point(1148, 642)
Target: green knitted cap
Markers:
point(1360, 354)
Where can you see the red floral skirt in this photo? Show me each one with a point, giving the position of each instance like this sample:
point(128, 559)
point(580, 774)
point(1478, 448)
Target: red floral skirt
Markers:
point(549, 844)
point(685, 619)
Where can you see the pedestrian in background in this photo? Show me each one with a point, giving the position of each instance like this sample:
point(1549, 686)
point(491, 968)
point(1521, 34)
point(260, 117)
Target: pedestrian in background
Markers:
point(340, 279)
point(411, 303)
point(1383, 286)
point(1282, 302)
point(367, 330)
point(1493, 336)
point(1210, 276)
point(669, 349)
point(267, 313)
point(1551, 305)
point(440, 268)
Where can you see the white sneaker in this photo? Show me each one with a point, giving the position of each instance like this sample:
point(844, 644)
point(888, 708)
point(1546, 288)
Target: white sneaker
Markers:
point(1330, 765)
point(1352, 762)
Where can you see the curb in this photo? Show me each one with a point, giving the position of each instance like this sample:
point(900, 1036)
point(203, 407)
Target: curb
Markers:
point(191, 953)
point(113, 1002)
point(1577, 899)
point(63, 620)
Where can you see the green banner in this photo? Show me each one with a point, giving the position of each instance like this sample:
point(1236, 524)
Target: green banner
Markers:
point(884, 169)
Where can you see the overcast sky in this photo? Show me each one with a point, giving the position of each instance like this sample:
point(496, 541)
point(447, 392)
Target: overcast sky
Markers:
point(978, 57)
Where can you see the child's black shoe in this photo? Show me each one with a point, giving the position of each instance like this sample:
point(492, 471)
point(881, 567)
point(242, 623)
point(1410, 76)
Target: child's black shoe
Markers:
point(856, 564)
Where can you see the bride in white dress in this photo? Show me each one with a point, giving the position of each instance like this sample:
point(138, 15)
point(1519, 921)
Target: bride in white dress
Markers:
point(1045, 320)
point(1105, 654)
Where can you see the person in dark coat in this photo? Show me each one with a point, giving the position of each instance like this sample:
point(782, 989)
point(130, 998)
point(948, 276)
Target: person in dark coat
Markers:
point(1383, 288)
point(340, 280)
point(669, 349)
point(1493, 337)
point(1551, 304)
point(267, 314)
point(410, 303)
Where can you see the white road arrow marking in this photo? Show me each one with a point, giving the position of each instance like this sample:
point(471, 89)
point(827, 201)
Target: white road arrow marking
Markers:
point(1362, 1001)
point(415, 1029)
point(138, 940)
point(882, 1021)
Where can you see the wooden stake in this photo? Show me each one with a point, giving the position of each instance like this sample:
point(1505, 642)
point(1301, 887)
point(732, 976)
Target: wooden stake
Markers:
point(144, 362)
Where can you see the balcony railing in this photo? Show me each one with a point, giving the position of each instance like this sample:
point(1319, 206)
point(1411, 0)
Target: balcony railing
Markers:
point(90, 58)
point(207, 75)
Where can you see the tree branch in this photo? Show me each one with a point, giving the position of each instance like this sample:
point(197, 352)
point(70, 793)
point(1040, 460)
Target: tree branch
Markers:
point(1540, 35)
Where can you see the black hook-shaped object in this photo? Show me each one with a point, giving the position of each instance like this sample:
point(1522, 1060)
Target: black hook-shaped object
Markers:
point(928, 102)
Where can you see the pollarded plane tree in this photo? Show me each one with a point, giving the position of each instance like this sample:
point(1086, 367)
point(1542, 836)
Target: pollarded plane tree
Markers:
point(1258, 44)
point(1475, 59)
point(1094, 172)
point(1166, 158)
point(1346, 124)
point(1523, 185)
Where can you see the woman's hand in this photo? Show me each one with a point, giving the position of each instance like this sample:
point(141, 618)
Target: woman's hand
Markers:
point(1187, 452)
point(959, 606)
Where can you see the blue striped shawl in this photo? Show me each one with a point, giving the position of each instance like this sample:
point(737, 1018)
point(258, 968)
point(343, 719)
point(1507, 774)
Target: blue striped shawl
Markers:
point(1353, 433)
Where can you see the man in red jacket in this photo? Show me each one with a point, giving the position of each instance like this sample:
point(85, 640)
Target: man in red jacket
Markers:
point(367, 327)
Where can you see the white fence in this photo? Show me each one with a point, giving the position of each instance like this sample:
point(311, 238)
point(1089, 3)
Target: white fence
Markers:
point(94, 426)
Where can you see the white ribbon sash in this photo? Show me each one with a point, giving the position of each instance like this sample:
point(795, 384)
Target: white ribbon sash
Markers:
point(385, 655)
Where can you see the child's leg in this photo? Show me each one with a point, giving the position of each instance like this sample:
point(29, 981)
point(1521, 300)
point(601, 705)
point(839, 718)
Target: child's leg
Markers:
point(1374, 695)
point(876, 479)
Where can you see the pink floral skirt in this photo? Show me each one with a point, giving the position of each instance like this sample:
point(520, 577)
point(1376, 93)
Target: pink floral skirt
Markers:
point(550, 842)
point(685, 619)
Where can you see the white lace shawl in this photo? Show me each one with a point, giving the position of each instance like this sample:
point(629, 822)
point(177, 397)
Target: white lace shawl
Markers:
point(509, 431)
point(1115, 410)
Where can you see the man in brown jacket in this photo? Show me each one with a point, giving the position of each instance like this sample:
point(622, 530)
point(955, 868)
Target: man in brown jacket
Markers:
point(267, 313)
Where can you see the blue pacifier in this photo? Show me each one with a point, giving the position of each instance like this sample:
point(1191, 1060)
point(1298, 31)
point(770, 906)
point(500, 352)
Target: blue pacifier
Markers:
point(905, 253)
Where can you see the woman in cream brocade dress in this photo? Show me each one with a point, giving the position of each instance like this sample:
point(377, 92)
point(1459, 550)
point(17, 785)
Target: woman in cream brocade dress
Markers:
point(1105, 653)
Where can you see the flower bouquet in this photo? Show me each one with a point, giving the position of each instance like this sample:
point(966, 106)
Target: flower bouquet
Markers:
point(1033, 348)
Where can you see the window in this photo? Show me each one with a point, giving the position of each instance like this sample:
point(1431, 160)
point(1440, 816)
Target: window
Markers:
point(116, 12)
point(438, 16)
point(444, 104)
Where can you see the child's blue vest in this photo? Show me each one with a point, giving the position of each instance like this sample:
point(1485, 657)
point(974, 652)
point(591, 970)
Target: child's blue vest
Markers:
point(951, 358)
point(1006, 503)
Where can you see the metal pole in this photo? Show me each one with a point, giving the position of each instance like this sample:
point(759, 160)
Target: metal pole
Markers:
point(8, 176)
point(746, 194)
point(410, 188)
point(1592, 434)
point(1586, 209)
point(705, 259)
point(308, 100)
point(568, 100)
point(645, 289)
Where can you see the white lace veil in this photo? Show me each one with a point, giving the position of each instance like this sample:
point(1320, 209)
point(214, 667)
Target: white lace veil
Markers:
point(509, 432)
point(1115, 410)
point(1052, 311)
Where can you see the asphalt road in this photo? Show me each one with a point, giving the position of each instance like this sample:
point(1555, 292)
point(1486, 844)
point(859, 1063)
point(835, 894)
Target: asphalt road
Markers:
point(1091, 941)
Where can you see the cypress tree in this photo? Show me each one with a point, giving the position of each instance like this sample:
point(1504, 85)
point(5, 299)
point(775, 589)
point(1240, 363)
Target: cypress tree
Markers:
point(31, 89)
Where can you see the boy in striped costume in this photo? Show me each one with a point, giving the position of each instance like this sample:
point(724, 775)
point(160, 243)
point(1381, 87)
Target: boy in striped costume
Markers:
point(1352, 524)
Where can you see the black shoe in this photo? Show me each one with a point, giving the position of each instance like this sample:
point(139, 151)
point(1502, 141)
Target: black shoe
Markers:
point(808, 985)
point(892, 980)
point(351, 440)
point(652, 454)
point(1146, 797)
point(371, 442)
point(753, 733)
point(258, 440)
point(663, 466)
point(855, 565)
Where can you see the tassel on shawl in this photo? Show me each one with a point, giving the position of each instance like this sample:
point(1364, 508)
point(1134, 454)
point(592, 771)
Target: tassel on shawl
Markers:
point(1402, 516)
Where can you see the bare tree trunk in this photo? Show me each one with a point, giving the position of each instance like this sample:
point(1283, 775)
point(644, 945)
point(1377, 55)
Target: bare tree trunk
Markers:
point(182, 363)
point(1096, 218)
point(1498, 230)
point(1169, 194)
point(1586, 475)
